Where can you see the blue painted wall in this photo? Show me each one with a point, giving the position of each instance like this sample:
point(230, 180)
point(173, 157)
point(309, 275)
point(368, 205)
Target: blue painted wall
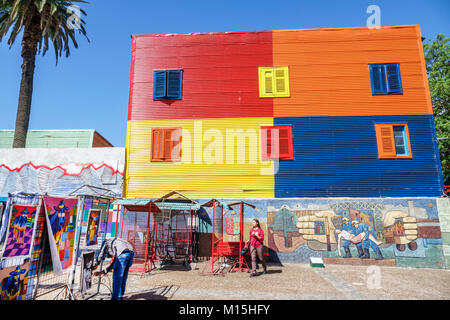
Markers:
point(338, 157)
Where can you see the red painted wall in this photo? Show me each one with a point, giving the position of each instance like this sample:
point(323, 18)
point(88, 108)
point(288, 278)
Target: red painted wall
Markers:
point(220, 77)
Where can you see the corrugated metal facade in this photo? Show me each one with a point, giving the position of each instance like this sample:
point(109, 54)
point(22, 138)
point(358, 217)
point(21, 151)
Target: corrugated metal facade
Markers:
point(331, 109)
point(338, 157)
point(329, 71)
point(205, 170)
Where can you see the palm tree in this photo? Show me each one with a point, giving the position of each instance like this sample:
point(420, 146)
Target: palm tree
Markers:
point(42, 21)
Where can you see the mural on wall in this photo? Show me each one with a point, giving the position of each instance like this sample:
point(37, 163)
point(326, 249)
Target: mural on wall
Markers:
point(393, 230)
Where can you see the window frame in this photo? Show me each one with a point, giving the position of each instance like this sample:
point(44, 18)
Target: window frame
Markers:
point(262, 82)
point(385, 80)
point(382, 154)
point(287, 156)
point(166, 95)
point(153, 143)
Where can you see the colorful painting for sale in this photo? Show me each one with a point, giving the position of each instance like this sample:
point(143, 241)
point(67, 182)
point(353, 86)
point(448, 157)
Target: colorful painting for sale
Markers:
point(20, 232)
point(93, 225)
point(61, 224)
point(13, 282)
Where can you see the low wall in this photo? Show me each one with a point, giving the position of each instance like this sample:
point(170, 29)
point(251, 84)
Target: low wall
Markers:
point(414, 232)
point(58, 172)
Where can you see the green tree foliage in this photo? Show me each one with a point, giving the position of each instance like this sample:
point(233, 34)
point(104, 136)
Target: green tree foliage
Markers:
point(437, 53)
point(41, 22)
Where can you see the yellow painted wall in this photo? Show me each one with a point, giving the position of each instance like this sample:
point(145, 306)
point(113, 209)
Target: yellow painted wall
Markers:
point(207, 168)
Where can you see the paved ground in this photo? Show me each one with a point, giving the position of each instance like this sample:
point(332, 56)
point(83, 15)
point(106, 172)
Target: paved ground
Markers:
point(291, 282)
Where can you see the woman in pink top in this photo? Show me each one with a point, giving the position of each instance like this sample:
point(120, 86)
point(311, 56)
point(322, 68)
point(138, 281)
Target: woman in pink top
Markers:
point(256, 246)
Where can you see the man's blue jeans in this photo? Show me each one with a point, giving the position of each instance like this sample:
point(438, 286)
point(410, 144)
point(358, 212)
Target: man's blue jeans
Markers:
point(121, 267)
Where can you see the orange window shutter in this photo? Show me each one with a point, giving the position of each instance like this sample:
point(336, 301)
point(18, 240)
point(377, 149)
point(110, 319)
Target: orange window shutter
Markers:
point(175, 147)
point(385, 141)
point(156, 144)
point(167, 150)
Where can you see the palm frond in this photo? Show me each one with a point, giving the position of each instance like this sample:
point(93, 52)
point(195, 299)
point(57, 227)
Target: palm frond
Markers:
point(53, 16)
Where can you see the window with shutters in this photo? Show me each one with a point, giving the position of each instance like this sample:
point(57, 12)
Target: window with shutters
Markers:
point(167, 84)
point(393, 141)
point(385, 78)
point(273, 82)
point(276, 143)
point(166, 145)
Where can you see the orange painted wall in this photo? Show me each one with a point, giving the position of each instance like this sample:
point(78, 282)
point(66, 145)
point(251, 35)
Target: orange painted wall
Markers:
point(329, 75)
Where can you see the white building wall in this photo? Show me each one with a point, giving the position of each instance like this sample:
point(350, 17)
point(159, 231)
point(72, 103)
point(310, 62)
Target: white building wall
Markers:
point(59, 172)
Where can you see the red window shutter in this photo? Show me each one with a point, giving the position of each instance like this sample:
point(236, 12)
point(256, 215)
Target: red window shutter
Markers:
point(286, 146)
point(266, 143)
point(283, 144)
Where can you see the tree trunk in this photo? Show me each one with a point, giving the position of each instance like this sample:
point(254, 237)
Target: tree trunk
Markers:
point(30, 41)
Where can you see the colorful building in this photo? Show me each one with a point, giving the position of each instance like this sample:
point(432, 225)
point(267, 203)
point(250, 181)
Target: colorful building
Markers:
point(311, 126)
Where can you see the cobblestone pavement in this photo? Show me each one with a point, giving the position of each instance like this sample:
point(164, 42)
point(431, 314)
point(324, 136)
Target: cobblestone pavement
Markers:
point(290, 282)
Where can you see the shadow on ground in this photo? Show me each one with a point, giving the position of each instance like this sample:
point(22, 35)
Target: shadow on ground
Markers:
point(274, 271)
point(157, 293)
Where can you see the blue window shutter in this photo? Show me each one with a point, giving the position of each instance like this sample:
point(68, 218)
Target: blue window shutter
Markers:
point(174, 84)
point(378, 79)
point(159, 85)
point(393, 77)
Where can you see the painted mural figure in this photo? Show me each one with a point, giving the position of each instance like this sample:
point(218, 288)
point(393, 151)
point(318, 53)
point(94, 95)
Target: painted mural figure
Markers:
point(346, 226)
point(349, 237)
point(20, 225)
point(11, 286)
point(366, 240)
point(57, 220)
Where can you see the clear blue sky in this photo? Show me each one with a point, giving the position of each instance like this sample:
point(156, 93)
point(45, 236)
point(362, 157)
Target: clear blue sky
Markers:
point(90, 89)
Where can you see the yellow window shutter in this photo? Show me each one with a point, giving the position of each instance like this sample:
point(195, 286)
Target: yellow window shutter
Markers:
point(268, 82)
point(273, 82)
point(385, 140)
point(282, 81)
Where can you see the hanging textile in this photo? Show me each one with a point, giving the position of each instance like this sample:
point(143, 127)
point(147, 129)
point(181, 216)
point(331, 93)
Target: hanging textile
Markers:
point(14, 282)
point(61, 225)
point(21, 231)
point(2, 206)
point(20, 198)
